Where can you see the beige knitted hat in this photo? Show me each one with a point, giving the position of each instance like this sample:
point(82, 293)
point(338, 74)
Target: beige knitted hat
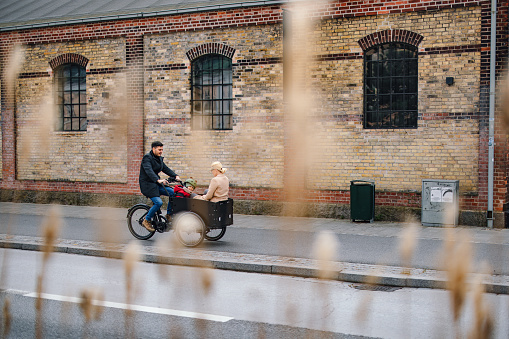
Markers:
point(217, 166)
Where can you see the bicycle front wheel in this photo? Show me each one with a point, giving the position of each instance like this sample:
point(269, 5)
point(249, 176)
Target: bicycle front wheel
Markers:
point(134, 222)
point(189, 229)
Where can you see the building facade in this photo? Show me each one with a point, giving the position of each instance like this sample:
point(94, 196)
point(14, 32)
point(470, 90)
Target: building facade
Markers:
point(400, 93)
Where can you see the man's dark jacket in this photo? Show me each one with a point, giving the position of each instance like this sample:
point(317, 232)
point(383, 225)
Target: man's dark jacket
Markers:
point(149, 174)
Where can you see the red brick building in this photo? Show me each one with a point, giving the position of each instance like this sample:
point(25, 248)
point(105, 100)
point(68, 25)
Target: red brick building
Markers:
point(401, 93)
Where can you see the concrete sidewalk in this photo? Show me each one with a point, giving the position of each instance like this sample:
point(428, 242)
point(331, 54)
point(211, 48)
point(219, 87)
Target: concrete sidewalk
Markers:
point(344, 271)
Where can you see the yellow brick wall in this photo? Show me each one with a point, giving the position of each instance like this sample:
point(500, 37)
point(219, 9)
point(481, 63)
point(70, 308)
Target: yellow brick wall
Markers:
point(97, 155)
point(253, 151)
point(398, 159)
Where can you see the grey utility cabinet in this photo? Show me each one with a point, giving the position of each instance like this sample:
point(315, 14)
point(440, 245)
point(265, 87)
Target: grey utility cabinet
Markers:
point(440, 202)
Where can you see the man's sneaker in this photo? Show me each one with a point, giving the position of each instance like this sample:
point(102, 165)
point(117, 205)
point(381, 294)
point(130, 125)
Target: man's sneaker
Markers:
point(168, 220)
point(148, 225)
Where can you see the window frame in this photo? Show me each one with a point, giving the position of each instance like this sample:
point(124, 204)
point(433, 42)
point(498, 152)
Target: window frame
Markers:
point(213, 110)
point(398, 89)
point(71, 98)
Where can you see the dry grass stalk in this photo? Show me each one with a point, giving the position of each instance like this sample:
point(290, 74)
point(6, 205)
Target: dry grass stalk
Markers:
point(207, 279)
point(50, 230)
point(458, 265)
point(13, 68)
point(372, 279)
point(7, 318)
point(132, 256)
point(407, 244)
point(90, 303)
point(503, 103)
point(483, 323)
point(325, 249)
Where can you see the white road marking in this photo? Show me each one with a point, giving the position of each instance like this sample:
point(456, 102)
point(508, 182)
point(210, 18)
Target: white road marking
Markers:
point(139, 308)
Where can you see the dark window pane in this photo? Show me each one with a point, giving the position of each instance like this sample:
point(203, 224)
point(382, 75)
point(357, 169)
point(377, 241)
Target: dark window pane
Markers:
point(207, 107)
point(227, 121)
point(197, 78)
point(412, 101)
point(227, 77)
point(218, 92)
point(83, 110)
point(67, 124)
point(83, 84)
point(411, 85)
point(227, 107)
point(207, 95)
point(216, 107)
point(371, 86)
point(399, 102)
point(385, 85)
point(227, 63)
point(217, 77)
point(412, 67)
point(197, 93)
point(75, 71)
point(384, 68)
point(67, 111)
point(207, 64)
point(83, 124)
point(67, 84)
point(371, 69)
point(217, 121)
point(399, 85)
point(75, 110)
point(67, 97)
point(227, 92)
point(197, 107)
point(207, 77)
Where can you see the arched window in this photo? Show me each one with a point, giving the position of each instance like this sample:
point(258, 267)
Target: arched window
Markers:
point(390, 86)
point(211, 95)
point(71, 85)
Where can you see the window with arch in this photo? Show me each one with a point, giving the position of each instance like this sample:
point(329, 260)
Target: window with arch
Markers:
point(71, 87)
point(390, 86)
point(211, 95)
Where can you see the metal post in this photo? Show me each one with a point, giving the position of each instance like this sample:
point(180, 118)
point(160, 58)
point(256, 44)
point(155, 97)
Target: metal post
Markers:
point(491, 135)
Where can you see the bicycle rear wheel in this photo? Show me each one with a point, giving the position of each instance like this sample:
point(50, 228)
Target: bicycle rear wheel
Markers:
point(134, 222)
point(215, 234)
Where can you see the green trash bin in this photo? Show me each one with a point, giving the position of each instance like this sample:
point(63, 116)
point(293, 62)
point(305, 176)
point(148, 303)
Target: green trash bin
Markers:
point(362, 200)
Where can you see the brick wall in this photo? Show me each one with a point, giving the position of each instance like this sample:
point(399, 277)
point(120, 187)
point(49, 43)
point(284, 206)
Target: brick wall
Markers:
point(451, 141)
point(99, 154)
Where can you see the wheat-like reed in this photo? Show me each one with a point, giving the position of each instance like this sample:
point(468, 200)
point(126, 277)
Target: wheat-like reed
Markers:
point(407, 244)
point(91, 299)
point(325, 249)
point(7, 318)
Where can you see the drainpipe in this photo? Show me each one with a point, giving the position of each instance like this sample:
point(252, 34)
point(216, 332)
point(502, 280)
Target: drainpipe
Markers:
point(491, 140)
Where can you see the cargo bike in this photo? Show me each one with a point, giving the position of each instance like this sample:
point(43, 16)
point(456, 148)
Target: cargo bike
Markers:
point(192, 220)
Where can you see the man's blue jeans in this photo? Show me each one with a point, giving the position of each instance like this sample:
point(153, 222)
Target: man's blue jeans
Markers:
point(158, 202)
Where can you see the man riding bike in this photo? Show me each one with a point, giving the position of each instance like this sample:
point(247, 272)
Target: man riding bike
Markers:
point(151, 185)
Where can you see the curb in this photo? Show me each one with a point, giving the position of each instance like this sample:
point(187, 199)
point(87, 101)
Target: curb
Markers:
point(297, 267)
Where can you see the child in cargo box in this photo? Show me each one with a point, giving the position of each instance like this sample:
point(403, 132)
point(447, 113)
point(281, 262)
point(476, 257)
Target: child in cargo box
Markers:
point(185, 190)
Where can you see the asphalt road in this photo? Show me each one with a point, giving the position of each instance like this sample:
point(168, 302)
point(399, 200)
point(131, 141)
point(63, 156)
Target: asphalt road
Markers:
point(174, 301)
point(355, 248)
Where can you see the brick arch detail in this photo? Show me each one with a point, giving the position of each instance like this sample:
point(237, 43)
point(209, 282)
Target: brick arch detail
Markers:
point(68, 58)
point(210, 48)
point(390, 35)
